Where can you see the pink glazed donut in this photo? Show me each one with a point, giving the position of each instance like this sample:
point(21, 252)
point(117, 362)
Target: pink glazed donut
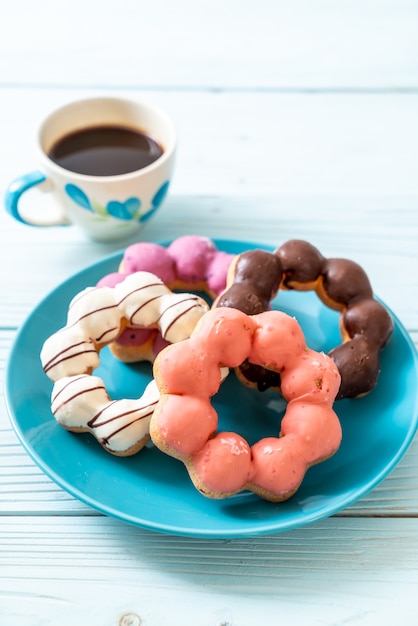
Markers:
point(184, 423)
point(188, 263)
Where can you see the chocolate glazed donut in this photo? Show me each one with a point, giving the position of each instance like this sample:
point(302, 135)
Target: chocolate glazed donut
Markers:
point(255, 279)
point(341, 284)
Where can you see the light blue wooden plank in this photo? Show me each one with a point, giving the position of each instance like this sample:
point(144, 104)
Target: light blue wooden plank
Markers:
point(377, 232)
point(271, 44)
point(96, 570)
point(295, 145)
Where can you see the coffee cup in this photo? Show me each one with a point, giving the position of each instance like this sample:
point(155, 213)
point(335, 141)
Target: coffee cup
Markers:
point(107, 161)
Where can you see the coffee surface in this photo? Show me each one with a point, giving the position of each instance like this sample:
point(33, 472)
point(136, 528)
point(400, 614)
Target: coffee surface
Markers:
point(105, 151)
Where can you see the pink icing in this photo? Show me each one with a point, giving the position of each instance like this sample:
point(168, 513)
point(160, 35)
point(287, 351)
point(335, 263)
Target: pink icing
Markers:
point(187, 375)
point(217, 271)
point(110, 280)
point(223, 464)
point(191, 256)
point(159, 343)
point(275, 328)
point(277, 465)
point(316, 432)
point(181, 433)
point(197, 372)
point(189, 260)
point(149, 257)
point(135, 336)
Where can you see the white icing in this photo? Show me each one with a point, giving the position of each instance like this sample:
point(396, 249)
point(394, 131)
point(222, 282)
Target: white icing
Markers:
point(98, 315)
point(69, 352)
point(82, 403)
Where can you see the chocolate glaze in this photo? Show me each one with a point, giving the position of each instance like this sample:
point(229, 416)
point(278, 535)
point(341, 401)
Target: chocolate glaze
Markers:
point(359, 366)
point(259, 376)
point(370, 319)
point(340, 283)
point(344, 282)
point(257, 276)
point(301, 263)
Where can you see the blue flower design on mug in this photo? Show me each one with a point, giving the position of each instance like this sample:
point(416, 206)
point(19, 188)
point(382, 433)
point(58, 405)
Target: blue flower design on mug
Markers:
point(156, 201)
point(130, 209)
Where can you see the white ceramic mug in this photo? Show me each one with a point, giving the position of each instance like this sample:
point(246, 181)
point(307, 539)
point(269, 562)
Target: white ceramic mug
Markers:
point(104, 207)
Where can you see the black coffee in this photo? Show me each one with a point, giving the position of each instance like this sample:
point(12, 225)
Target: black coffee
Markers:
point(105, 151)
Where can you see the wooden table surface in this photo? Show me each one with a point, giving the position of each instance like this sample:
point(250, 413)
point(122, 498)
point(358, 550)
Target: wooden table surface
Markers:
point(296, 120)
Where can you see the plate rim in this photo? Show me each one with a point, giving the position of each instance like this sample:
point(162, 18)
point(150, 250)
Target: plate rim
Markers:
point(267, 527)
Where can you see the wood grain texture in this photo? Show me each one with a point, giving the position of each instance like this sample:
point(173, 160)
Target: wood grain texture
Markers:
point(377, 233)
point(296, 120)
point(298, 145)
point(350, 44)
point(95, 570)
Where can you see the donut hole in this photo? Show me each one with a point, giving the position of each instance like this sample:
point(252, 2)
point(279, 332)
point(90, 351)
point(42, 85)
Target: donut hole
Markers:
point(251, 414)
point(319, 323)
point(196, 292)
point(123, 380)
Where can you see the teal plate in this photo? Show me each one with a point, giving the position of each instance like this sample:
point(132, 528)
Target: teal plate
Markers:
point(153, 490)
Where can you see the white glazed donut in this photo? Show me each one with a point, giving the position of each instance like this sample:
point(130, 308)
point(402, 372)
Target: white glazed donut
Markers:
point(82, 404)
point(96, 317)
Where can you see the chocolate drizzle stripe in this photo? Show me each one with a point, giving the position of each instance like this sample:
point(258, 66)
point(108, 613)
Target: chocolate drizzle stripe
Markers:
point(73, 380)
point(74, 396)
point(99, 310)
point(138, 418)
point(144, 304)
point(117, 304)
point(80, 296)
point(106, 440)
point(56, 360)
point(99, 339)
point(92, 422)
point(193, 303)
point(139, 289)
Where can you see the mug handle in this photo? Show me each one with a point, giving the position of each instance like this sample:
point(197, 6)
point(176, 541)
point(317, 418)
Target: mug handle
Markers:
point(17, 188)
